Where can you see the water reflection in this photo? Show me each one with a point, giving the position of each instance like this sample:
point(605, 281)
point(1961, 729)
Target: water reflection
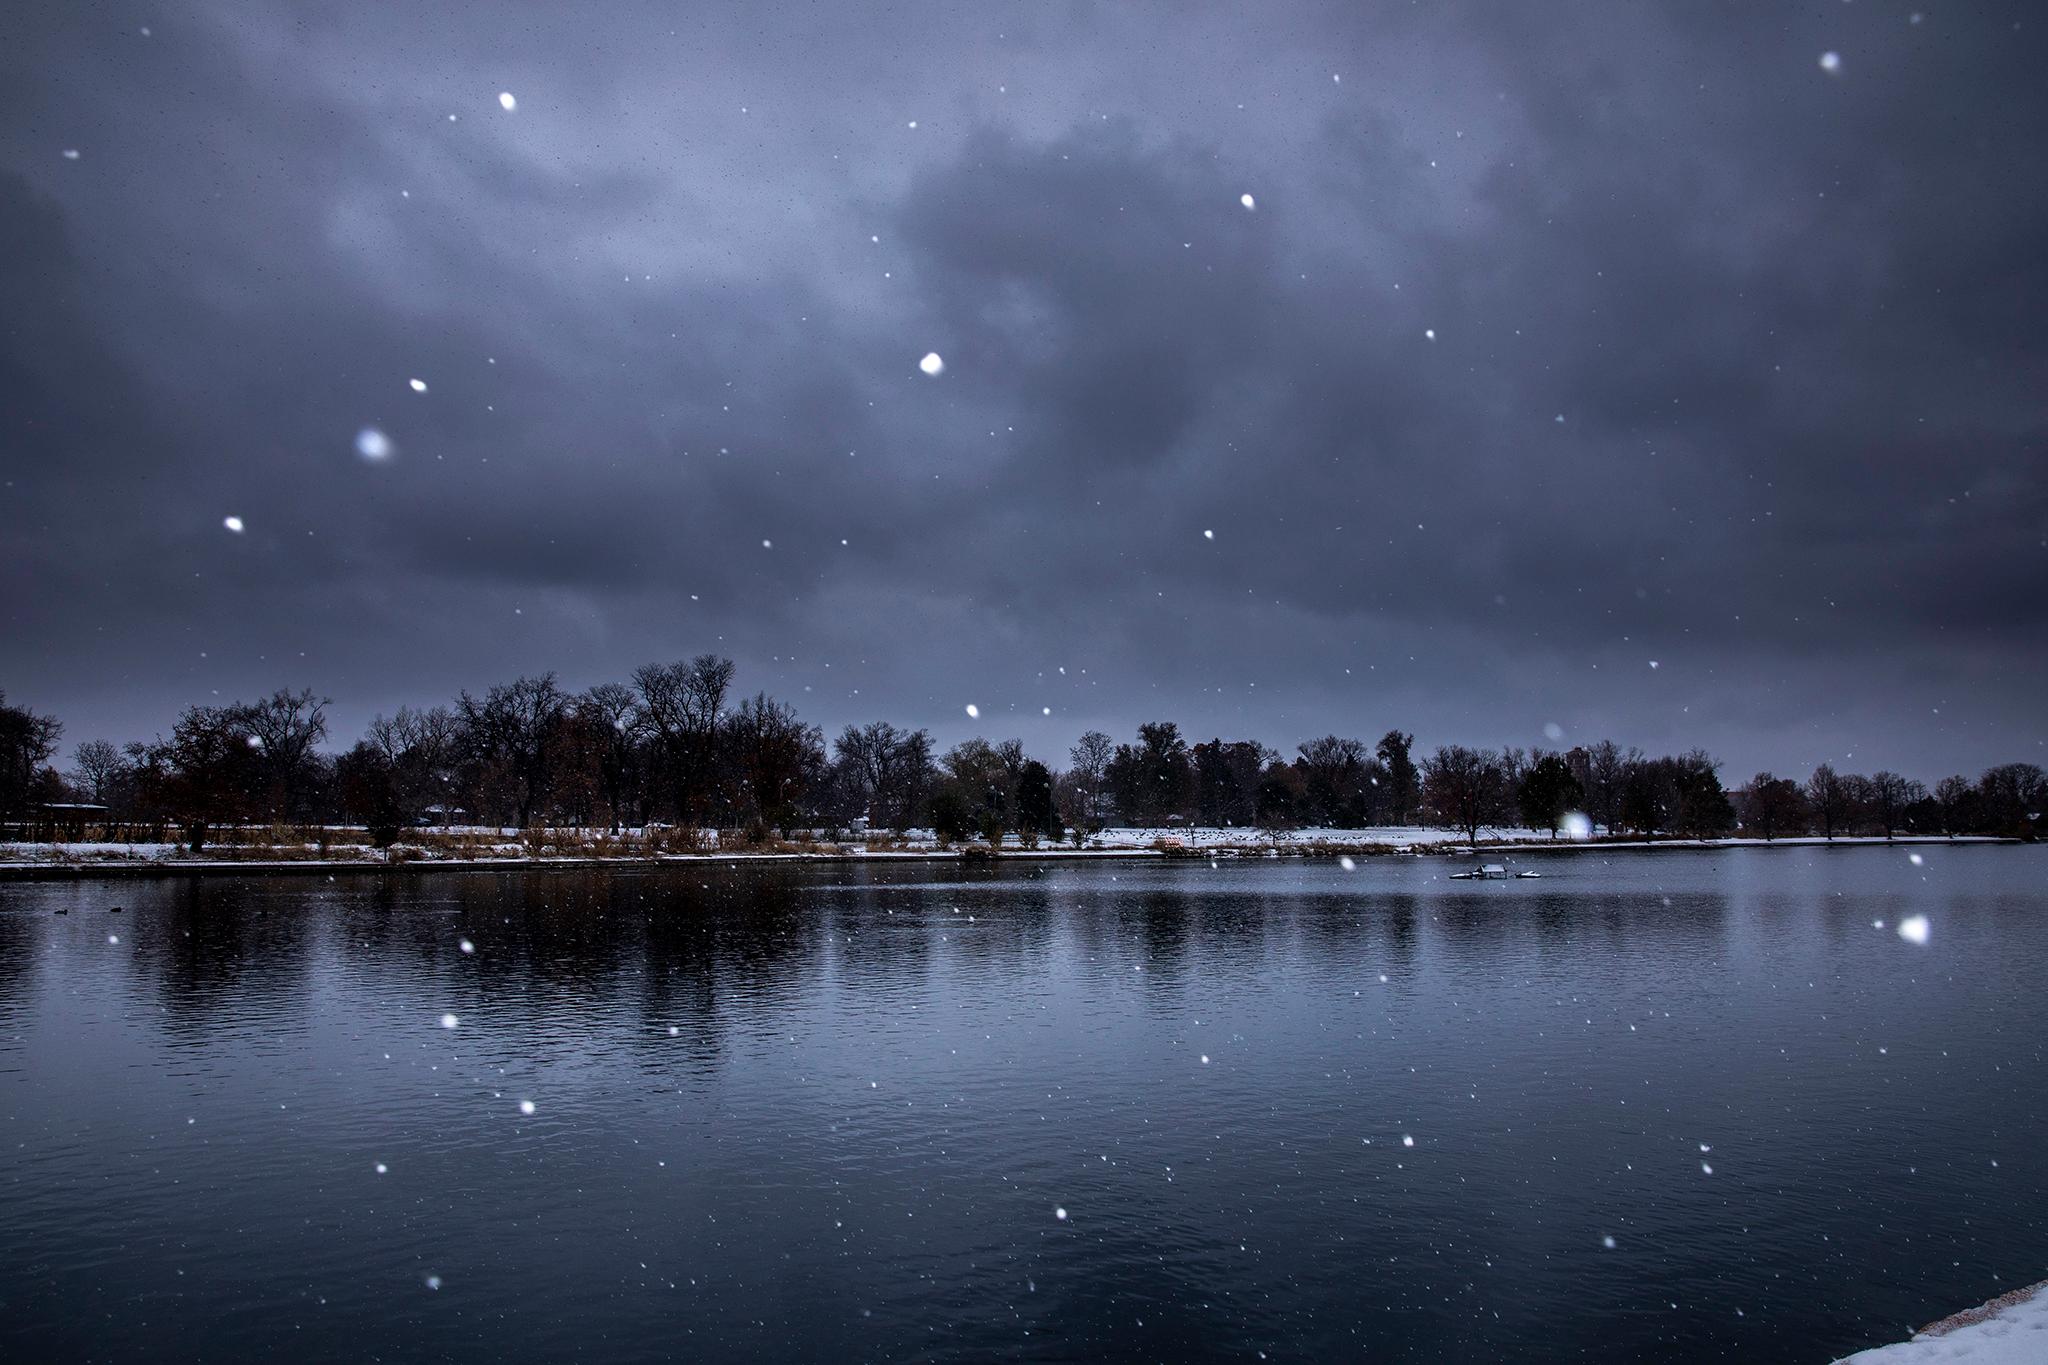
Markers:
point(829, 1109)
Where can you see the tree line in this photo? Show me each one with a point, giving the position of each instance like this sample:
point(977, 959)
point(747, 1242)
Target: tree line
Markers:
point(675, 747)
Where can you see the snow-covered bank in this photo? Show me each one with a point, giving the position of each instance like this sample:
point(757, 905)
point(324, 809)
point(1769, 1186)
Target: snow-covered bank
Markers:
point(482, 847)
point(2012, 1329)
point(176, 863)
point(1376, 836)
point(1403, 838)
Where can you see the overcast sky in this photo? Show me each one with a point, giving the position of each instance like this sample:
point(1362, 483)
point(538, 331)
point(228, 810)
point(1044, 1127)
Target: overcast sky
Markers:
point(1628, 370)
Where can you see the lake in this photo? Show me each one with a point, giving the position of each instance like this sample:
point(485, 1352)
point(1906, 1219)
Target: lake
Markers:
point(1670, 1105)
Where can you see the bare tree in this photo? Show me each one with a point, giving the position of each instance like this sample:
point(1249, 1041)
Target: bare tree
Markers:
point(775, 759)
point(1336, 776)
point(1890, 794)
point(1464, 788)
point(680, 704)
point(419, 749)
point(27, 742)
point(208, 769)
point(512, 730)
point(985, 777)
point(2011, 797)
point(1602, 770)
point(1773, 805)
point(96, 767)
point(1153, 779)
point(1859, 802)
point(867, 762)
point(1828, 796)
point(286, 726)
point(1090, 776)
point(1227, 781)
point(613, 712)
point(1955, 795)
point(884, 771)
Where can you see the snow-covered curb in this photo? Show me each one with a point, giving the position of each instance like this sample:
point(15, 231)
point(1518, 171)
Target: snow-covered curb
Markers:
point(2012, 1329)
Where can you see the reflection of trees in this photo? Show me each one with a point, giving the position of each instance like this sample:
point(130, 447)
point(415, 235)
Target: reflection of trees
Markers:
point(573, 952)
point(216, 956)
point(1401, 926)
point(575, 956)
point(875, 930)
point(735, 947)
point(1237, 924)
point(18, 943)
point(559, 954)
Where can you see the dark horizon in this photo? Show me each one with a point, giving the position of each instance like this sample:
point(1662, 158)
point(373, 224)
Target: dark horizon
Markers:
point(1636, 373)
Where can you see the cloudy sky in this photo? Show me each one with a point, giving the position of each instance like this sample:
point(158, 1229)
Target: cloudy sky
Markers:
point(1674, 373)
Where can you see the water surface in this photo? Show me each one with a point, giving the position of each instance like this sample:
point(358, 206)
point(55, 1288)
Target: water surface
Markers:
point(836, 1111)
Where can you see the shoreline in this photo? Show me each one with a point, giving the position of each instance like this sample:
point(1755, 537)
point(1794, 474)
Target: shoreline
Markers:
point(2007, 1330)
point(179, 867)
point(117, 868)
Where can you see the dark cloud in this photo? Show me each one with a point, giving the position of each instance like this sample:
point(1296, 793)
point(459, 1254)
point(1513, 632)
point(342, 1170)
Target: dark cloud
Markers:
point(672, 308)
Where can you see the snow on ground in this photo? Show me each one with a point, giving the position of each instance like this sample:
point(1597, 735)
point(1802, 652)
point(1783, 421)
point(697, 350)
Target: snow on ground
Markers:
point(43, 853)
point(1414, 836)
point(460, 843)
point(1394, 836)
point(2010, 1330)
